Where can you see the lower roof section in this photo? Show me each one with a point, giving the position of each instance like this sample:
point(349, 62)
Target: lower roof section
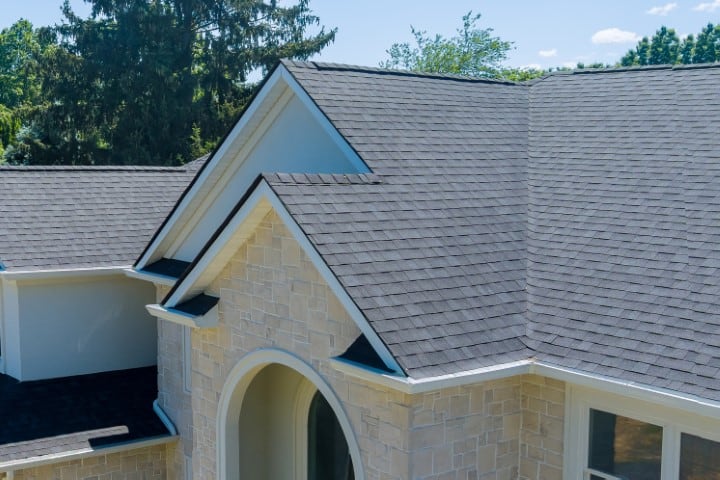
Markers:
point(57, 416)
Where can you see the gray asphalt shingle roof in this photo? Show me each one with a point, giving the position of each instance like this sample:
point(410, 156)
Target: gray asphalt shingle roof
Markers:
point(575, 219)
point(624, 224)
point(432, 247)
point(71, 217)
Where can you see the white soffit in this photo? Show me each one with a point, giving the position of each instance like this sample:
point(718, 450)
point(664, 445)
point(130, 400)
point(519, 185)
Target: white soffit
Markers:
point(238, 231)
point(277, 91)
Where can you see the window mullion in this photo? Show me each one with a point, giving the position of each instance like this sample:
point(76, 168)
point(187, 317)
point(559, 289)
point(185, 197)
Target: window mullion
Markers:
point(671, 453)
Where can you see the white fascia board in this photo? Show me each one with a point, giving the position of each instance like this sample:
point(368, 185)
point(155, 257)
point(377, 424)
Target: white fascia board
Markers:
point(645, 393)
point(24, 463)
point(155, 278)
point(207, 172)
point(209, 320)
point(324, 122)
point(412, 386)
point(193, 282)
point(256, 207)
point(62, 273)
point(281, 74)
point(659, 396)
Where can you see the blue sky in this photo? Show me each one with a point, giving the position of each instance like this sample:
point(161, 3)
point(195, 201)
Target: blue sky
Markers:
point(546, 33)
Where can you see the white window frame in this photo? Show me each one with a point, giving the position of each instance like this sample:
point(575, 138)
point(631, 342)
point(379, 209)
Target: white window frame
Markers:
point(579, 401)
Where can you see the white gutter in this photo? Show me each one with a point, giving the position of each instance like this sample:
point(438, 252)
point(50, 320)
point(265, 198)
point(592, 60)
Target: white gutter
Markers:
point(62, 273)
point(423, 385)
point(668, 398)
point(11, 466)
point(150, 277)
point(164, 418)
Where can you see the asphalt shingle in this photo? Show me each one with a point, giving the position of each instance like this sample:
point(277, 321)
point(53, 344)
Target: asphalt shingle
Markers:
point(575, 219)
point(73, 217)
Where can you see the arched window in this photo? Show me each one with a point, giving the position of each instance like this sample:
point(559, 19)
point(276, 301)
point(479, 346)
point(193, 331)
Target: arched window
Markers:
point(327, 449)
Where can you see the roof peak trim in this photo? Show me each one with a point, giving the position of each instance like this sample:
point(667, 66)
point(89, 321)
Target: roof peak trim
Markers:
point(260, 201)
point(323, 66)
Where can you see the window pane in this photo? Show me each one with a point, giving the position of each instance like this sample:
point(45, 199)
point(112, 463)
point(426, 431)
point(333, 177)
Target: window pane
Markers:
point(624, 447)
point(699, 458)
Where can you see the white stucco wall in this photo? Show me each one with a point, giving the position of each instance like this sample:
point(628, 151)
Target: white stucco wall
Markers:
point(85, 325)
point(283, 148)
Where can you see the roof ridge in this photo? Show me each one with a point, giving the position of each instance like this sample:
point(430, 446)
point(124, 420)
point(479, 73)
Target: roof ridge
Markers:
point(91, 168)
point(631, 68)
point(328, 66)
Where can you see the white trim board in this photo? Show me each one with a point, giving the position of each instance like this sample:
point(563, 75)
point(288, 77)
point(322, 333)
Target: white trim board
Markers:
point(277, 91)
point(155, 278)
point(63, 273)
point(209, 320)
point(580, 400)
point(658, 396)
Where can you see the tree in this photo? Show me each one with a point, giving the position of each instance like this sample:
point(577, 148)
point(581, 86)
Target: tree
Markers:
point(686, 49)
point(473, 52)
point(20, 47)
point(639, 56)
point(157, 81)
point(707, 45)
point(664, 47)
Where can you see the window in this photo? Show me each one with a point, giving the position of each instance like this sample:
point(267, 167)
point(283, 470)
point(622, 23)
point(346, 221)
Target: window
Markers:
point(610, 437)
point(327, 451)
point(623, 447)
point(699, 458)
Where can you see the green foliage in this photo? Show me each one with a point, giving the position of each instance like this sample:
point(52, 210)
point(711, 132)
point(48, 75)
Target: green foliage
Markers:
point(707, 45)
point(20, 48)
point(666, 48)
point(473, 52)
point(155, 81)
point(9, 126)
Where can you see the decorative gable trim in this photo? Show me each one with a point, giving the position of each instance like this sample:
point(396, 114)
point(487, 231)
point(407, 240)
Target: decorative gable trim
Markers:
point(278, 89)
point(236, 231)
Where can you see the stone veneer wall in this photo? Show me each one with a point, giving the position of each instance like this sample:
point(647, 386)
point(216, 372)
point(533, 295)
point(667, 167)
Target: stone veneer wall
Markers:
point(541, 436)
point(144, 463)
point(469, 432)
point(272, 296)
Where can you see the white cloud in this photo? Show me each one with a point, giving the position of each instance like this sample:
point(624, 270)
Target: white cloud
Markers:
point(615, 35)
point(707, 7)
point(569, 64)
point(662, 10)
point(548, 53)
point(531, 66)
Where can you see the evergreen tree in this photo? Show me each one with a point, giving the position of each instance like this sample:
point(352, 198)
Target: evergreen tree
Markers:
point(157, 81)
point(664, 47)
point(686, 49)
point(707, 45)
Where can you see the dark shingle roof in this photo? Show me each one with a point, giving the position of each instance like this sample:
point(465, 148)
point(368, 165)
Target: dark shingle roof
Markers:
point(602, 190)
point(70, 217)
point(431, 247)
point(73, 413)
point(624, 225)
